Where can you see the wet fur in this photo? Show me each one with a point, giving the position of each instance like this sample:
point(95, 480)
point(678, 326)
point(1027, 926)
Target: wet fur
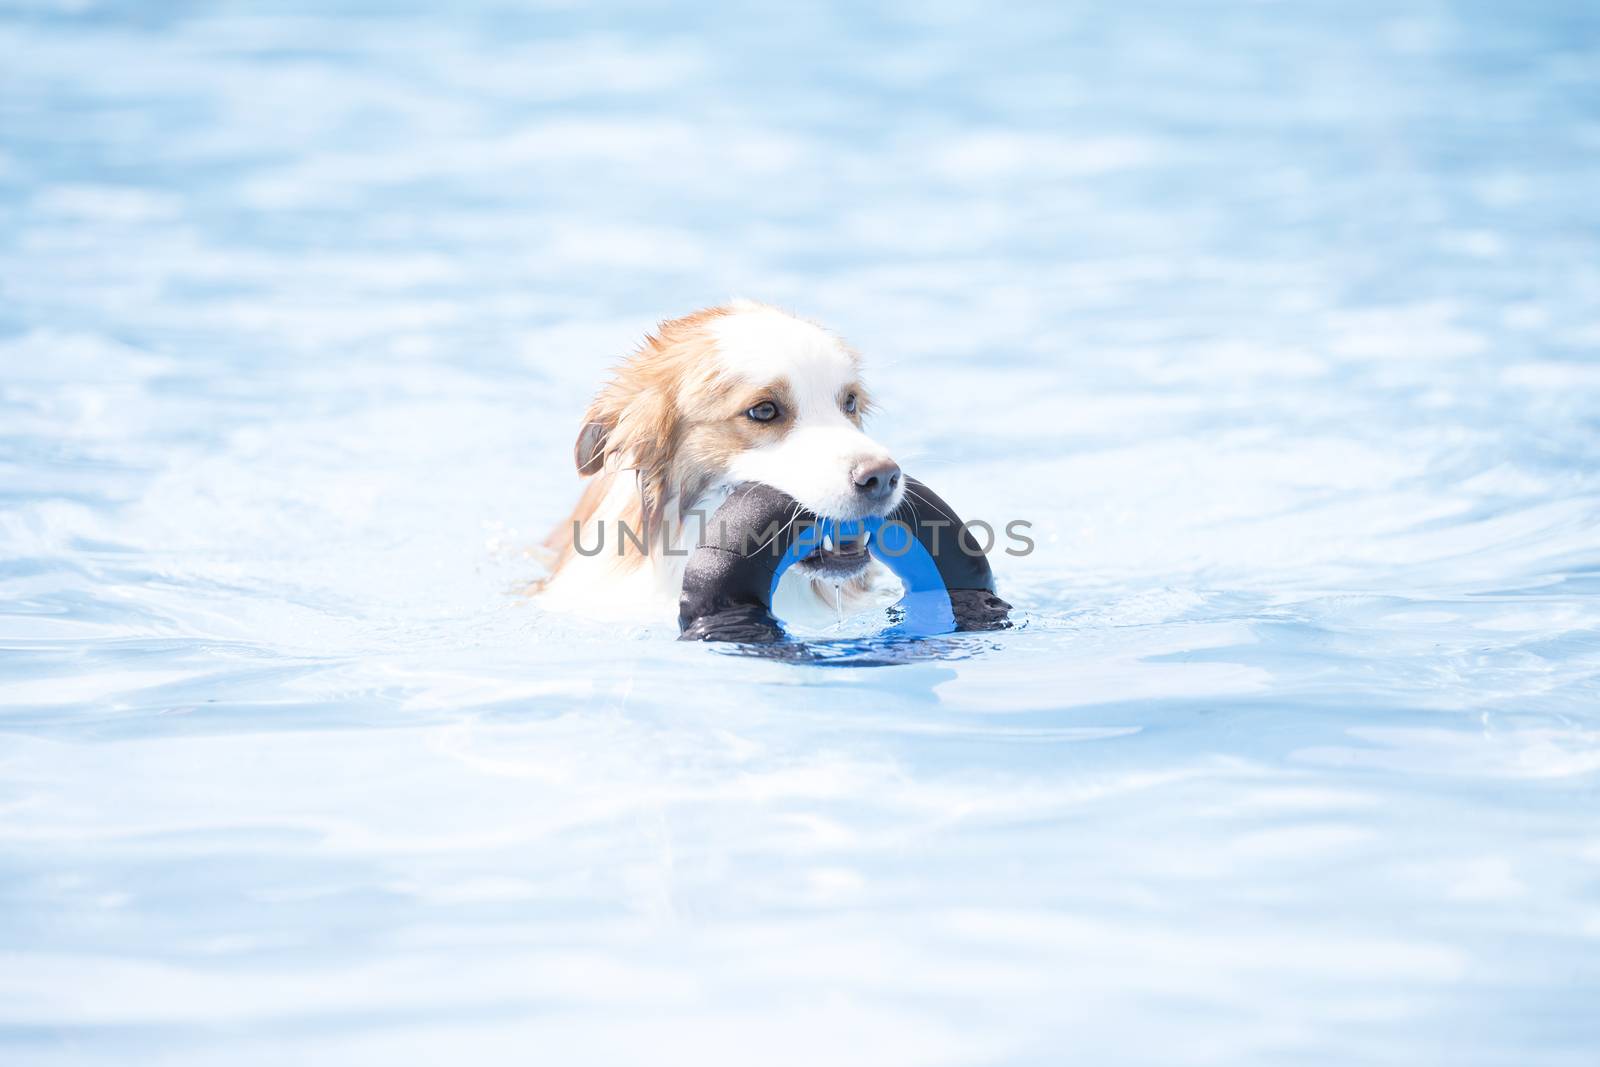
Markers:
point(662, 437)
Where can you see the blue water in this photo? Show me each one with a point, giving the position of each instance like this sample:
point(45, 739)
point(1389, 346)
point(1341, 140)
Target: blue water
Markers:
point(1281, 323)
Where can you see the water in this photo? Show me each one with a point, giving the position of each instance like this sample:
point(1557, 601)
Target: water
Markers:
point(1279, 322)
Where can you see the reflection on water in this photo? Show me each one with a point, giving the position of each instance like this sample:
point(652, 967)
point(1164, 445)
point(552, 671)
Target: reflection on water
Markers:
point(885, 651)
point(1279, 322)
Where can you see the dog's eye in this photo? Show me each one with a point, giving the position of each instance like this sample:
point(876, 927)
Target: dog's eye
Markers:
point(850, 404)
point(765, 411)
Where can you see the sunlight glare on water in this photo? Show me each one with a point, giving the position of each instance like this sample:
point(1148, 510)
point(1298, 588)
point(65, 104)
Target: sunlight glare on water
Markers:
point(1279, 322)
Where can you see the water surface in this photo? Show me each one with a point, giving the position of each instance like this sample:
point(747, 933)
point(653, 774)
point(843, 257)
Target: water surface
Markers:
point(1279, 322)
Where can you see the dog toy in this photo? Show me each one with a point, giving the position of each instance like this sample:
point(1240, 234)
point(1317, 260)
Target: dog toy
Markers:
point(760, 532)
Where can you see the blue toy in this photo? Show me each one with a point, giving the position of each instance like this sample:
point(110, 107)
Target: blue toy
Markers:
point(760, 532)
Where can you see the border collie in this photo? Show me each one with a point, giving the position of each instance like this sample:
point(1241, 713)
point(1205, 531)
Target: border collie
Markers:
point(741, 392)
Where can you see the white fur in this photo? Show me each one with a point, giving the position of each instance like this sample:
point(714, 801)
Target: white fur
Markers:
point(814, 461)
point(600, 584)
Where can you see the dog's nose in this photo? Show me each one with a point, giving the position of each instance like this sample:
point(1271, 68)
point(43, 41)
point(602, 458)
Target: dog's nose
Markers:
point(876, 479)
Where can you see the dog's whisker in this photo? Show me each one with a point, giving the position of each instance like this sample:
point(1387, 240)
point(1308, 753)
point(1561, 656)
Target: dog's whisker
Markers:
point(918, 497)
point(792, 520)
point(688, 415)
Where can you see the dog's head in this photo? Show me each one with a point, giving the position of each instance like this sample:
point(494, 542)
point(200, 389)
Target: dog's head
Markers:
point(744, 393)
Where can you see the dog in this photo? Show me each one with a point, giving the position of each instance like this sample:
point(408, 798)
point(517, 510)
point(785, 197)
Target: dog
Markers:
point(730, 394)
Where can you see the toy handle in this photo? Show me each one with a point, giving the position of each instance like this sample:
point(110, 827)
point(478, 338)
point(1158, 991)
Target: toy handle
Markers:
point(949, 584)
point(728, 581)
point(759, 532)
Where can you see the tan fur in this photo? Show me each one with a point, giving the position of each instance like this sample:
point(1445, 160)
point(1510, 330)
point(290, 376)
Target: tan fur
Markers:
point(668, 421)
point(557, 544)
point(639, 410)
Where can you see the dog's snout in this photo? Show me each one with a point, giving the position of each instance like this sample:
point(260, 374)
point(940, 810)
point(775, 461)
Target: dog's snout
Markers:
point(876, 479)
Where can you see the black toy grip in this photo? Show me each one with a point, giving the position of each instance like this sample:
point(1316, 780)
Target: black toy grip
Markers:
point(727, 583)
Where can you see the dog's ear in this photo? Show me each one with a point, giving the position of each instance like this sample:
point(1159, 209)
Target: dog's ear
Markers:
point(600, 438)
point(630, 424)
point(590, 450)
